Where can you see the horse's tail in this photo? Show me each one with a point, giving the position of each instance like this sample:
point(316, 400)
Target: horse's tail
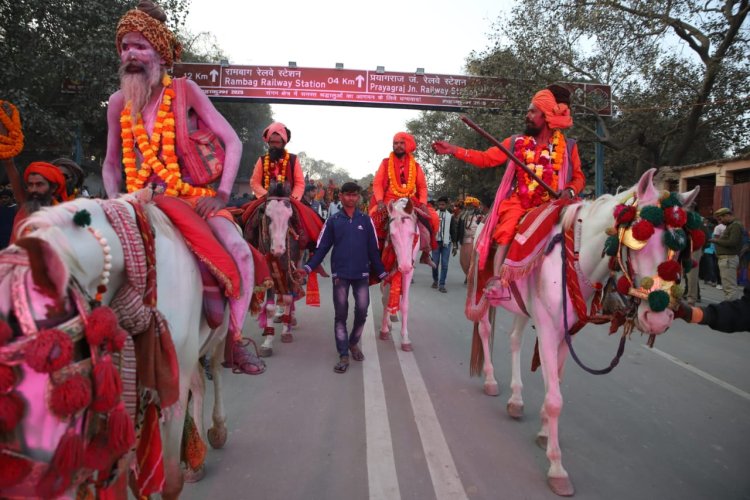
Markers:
point(477, 353)
point(474, 311)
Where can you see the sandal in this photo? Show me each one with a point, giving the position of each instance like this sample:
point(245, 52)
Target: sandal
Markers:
point(342, 365)
point(240, 360)
point(356, 353)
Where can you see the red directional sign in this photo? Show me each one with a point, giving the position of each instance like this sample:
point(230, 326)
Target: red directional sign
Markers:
point(360, 87)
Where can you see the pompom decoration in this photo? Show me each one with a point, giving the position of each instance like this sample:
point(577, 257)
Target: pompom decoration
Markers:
point(677, 291)
point(68, 458)
point(647, 283)
point(98, 456)
point(107, 385)
point(7, 378)
point(671, 200)
point(624, 214)
point(11, 411)
point(50, 351)
point(102, 324)
point(675, 217)
point(658, 300)
point(13, 468)
point(121, 433)
point(675, 239)
point(71, 396)
point(694, 220)
point(698, 237)
point(82, 218)
point(653, 214)
point(623, 285)
point(611, 245)
point(642, 230)
point(669, 270)
point(6, 333)
point(116, 342)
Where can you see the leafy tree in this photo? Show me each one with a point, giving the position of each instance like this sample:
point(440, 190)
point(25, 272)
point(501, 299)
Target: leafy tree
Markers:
point(320, 170)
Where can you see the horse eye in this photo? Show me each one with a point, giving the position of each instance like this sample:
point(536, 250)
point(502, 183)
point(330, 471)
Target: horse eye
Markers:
point(287, 204)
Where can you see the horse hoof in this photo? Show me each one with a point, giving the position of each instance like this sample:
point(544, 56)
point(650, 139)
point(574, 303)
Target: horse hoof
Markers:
point(515, 410)
point(385, 335)
point(541, 441)
point(394, 318)
point(406, 347)
point(193, 476)
point(217, 437)
point(492, 389)
point(561, 486)
point(265, 352)
point(286, 338)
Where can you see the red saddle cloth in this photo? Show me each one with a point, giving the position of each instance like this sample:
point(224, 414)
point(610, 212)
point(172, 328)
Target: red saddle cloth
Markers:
point(532, 237)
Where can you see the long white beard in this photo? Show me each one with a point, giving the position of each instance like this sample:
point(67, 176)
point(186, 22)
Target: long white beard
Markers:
point(137, 87)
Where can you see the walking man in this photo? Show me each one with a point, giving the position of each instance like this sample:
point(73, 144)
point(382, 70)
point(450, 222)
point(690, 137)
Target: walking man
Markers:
point(443, 251)
point(728, 246)
point(351, 233)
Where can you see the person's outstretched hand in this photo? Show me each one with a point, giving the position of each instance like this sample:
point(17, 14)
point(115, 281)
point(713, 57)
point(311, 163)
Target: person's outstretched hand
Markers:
point(684, 311)
point(443, 148)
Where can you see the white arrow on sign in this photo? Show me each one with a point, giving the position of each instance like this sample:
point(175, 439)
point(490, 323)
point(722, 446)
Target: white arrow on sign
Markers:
point(360, 79)
point(213, 74)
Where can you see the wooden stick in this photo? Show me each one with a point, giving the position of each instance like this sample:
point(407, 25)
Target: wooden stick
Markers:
point(468, 121)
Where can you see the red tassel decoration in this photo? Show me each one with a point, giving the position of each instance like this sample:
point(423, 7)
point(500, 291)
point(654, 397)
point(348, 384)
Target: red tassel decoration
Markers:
point(107, 385)
point(102, 324)
point(7, 378)
point(71, 396)
point(643, 230)
point(11, 411)
point(6, 332)
point(98, 455)
point(116, 342)
point(121, 433)
point(669, 270)
point(68, 458)
point(52, 350)
point(13, 468)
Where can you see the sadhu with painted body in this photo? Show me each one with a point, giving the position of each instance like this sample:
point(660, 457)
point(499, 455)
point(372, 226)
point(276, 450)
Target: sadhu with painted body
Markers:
point(545, 150)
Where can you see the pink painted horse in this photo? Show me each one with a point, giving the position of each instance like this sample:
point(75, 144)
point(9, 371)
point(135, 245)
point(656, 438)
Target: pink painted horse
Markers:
point(75, 256)
point(403, 239)
point(541, 294)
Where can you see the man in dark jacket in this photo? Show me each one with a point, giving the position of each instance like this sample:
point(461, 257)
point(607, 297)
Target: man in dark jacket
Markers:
point(728, 316)
point(355, 248)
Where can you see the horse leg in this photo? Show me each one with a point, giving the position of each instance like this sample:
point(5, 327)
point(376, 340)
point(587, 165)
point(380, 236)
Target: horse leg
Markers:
point(217, 434)
point(385, 324)
point(197, 393)
point(515, 403)
point(485, 331)
point(557, 476)
point(286, 321)
point(266, 349)
point(293, 315)
point(405, 284)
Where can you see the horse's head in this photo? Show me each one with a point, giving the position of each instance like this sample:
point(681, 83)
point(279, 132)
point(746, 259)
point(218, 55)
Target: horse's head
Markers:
point(278, 212)
point(652, 244)
point(403, 232)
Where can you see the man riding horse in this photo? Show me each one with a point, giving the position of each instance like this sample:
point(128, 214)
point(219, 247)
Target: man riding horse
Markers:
point(146, 119)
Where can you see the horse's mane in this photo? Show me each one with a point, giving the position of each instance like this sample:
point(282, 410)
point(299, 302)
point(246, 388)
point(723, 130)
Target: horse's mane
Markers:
point(279, 190)
point(569, 215)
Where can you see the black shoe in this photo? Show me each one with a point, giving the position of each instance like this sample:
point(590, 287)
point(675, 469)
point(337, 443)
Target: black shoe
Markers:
point(434, 284)
point(443, 290)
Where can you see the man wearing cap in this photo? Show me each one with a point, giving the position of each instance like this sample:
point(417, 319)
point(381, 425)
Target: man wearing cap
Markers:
point(544, 149)
point(143, 141)
point(45, 186)
point(728, 246)
point(467, 223)
point(73, 174)
point(400, 176)
point(277, 164)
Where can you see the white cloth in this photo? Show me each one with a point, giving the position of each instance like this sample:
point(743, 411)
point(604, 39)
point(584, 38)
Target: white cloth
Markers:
point(444, 233)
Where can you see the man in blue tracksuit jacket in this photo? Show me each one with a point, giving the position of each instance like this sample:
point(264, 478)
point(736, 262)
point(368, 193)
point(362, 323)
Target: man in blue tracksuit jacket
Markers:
point(355, 248)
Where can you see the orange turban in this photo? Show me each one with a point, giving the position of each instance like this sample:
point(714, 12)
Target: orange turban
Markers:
point(153, 30)
point(51, 173)
point(277, 128)
point(556, 115)
point(470, 200)
point(411, 144)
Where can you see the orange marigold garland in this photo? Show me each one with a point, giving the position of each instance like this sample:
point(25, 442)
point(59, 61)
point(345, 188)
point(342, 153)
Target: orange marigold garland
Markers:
point(402, 190)
point(164, 164)
point(546, 168)
point(280, 169)
point(12, 143)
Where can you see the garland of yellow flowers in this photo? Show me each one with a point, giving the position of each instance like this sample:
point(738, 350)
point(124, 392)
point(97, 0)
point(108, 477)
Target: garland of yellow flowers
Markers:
point(403, 190)
point(166, 165)
point(281, 173)
point(547, 168)
point(12, 143)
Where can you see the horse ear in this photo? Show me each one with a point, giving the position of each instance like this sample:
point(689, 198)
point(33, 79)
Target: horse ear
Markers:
point(646, 191)
point(48, 270)
point(409, 207)
point(390, 207)
point(688, 199)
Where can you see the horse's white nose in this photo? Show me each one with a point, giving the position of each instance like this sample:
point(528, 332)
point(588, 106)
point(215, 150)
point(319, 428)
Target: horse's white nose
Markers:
point(277, 251)
point(405, 268)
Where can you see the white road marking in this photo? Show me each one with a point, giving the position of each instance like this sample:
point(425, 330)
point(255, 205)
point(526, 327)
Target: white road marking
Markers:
point(445, 478)
point(381, 466)
point(699, 372)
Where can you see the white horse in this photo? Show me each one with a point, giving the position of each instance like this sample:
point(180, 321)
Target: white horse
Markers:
point(403, 238)
point(541, 293)
point(77, 256)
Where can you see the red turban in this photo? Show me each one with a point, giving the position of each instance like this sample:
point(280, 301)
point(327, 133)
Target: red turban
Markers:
point(411, 144)
point(51, 173)
point(276, 128)
point(556, 115)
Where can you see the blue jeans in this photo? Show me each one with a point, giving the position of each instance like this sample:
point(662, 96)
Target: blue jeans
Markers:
point(361, 291)
point(440, 258)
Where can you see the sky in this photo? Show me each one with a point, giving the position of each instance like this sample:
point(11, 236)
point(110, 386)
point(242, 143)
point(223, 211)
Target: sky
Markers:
point(436, 35)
